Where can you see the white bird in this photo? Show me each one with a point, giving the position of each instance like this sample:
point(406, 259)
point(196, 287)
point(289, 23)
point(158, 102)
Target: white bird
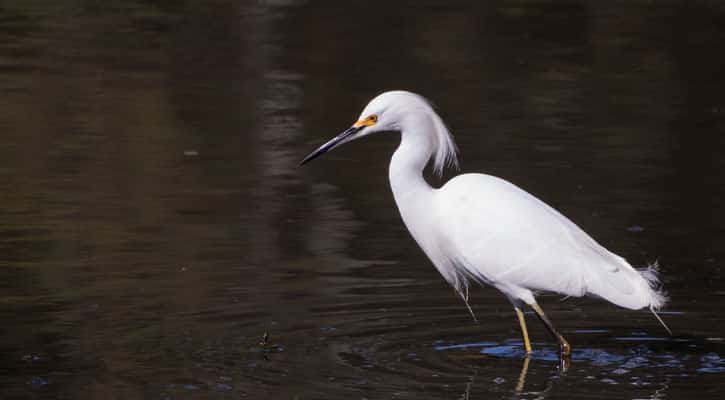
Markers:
point(484, 229)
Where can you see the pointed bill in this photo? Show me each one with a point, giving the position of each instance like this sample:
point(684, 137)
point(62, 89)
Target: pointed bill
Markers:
point(332, 143)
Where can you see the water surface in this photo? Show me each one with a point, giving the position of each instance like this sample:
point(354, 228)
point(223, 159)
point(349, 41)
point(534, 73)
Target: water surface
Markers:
point(154, 224)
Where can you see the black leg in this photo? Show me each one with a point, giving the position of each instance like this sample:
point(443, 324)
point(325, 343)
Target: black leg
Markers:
point(564, 346)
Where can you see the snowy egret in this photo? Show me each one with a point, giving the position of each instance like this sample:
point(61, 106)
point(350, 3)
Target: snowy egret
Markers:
point(484, 229)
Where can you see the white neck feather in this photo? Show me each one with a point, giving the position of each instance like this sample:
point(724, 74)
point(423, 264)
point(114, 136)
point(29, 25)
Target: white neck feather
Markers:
point(408, 162)
point(410, 190)
point(414, 197)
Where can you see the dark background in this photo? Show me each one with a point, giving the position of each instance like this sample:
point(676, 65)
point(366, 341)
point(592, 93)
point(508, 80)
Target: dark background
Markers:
point(154, 223)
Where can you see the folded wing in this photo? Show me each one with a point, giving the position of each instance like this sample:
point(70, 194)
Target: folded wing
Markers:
point(501, 234)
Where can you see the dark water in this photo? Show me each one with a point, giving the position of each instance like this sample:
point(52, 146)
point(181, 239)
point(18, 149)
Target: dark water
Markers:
point(154, 223)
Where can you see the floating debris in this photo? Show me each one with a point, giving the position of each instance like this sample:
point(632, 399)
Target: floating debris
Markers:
point(38, 381)
point(31, 357)
point(223, 387)
point(265, 339)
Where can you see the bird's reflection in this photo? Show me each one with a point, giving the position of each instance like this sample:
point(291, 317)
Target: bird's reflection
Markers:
point(467, 393)
point(521, 382)
point(558, 372)
point(518, 389)
point(522, 375)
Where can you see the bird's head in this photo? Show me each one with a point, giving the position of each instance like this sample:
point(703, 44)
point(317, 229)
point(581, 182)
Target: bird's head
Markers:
point(384, 113)
point(393, 111)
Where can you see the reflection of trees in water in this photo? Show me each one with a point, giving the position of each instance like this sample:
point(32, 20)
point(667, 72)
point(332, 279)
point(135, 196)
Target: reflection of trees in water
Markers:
point(112, 214)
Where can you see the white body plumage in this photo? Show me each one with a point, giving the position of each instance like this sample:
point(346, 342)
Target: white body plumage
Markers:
point(482, 228)
point(485, 228)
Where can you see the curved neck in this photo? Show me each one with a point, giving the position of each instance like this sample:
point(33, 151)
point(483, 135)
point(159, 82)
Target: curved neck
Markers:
point(406, 168)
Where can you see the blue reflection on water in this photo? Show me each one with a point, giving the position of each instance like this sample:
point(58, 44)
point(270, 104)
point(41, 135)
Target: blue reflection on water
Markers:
point(683, 354)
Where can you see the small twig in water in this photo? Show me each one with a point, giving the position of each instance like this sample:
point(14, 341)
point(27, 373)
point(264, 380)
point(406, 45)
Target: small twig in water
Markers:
point(265, 339)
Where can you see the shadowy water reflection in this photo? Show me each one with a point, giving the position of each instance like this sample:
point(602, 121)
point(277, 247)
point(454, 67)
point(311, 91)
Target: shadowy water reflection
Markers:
point(154, 224)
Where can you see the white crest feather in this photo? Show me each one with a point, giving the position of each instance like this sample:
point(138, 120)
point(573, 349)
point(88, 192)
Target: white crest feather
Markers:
point(446, 152)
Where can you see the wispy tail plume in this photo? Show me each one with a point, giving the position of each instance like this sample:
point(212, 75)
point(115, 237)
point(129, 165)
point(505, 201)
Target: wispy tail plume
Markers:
point(658, 297)
point(651, 274)
point(464, 296)
point(651, 308)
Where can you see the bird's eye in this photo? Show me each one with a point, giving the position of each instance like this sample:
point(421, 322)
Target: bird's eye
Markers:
point(373, 118)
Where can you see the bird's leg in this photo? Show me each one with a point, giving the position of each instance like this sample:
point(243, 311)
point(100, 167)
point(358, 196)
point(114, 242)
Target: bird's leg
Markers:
point(524, 331)
point(564, 346)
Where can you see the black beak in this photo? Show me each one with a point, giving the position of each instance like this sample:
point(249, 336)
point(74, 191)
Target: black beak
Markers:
point(334, 142)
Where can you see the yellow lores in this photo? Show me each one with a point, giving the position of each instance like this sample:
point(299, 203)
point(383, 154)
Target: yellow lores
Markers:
point(369, 121)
